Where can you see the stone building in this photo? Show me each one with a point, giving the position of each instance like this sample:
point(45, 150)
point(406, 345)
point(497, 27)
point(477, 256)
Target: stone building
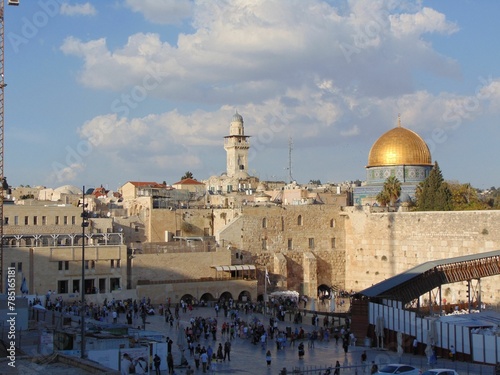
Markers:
point(44, 244)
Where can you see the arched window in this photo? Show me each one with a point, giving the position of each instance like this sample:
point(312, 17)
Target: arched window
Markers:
point(264, 223)
point(299, 220)
point(332, 223)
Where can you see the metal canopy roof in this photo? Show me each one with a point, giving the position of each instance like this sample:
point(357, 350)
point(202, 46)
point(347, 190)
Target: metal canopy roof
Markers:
point(411, 284)
point(242, 267)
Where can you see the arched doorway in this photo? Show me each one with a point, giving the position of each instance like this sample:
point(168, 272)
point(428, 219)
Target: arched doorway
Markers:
point(189, 299)
point(324, 292)
point(206, 299)
point(225, 297)
point(245, 296)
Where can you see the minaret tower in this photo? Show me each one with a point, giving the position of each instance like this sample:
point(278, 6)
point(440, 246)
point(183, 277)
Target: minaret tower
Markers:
point(236, 145)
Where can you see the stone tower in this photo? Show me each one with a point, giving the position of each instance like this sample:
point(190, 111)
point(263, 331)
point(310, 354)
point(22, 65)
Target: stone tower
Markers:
point(236, 145)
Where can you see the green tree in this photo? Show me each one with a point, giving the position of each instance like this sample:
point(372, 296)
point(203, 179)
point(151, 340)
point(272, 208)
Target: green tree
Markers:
point(390, 192)
point(187, 175)
point(433, 194)
point(465, 197)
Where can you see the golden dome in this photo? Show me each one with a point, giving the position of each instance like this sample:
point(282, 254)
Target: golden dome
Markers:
point(399, 146)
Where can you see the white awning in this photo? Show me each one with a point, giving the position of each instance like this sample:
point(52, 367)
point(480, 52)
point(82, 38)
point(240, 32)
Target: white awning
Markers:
point(241, 267)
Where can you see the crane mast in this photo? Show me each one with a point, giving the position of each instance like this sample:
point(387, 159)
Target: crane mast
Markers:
point(2, 96)
point(2, 89)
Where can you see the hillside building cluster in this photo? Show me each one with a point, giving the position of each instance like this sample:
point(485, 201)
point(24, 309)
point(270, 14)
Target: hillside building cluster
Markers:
point(214, 239)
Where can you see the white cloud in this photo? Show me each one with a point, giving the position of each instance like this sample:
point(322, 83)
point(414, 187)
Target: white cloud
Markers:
point(427, 20)
point(162, 12)
point(304, 69)
point(86, 9)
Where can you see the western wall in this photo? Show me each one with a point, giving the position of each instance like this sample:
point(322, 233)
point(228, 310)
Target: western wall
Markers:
point(381, 245)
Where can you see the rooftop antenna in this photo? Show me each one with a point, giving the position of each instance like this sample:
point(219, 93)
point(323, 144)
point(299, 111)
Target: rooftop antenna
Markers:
point(290, 148)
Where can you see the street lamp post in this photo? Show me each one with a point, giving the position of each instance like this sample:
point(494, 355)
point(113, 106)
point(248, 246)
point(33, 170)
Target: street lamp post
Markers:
point(85, 223)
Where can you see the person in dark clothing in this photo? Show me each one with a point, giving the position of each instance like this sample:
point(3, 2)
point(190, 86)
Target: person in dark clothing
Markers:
point(157, 362)
point(337, 368)
point(170, 363)
point(227, 351)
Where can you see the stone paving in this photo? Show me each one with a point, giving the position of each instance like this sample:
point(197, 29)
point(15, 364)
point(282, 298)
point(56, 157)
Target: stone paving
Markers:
point(247, 358)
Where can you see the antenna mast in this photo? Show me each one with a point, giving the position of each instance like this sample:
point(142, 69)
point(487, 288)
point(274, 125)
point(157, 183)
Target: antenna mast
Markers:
point(290, 148)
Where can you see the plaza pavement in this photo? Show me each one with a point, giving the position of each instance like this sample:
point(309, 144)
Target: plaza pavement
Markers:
point(247, 358)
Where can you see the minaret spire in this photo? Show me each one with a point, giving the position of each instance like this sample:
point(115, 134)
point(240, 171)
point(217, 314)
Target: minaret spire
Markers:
point(399, 120)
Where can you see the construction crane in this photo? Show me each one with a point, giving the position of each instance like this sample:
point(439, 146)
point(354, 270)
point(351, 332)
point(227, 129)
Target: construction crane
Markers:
point(2, 176)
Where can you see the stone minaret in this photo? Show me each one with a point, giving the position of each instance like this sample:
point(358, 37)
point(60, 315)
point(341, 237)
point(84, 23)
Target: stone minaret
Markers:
point(236, 145)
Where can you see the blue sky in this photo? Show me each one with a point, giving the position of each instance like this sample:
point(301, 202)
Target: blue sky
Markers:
point(105, 92)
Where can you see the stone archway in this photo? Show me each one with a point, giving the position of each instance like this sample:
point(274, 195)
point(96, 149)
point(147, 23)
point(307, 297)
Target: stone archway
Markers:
point(207, 299)
point(189, 299)
point(245, 296)
point(225, 297)
point(324, 292)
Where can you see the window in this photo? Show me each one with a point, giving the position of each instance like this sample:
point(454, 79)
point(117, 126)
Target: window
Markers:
point(65, 220)
point(6, 220)
point(333, 243)
point(76, 286)
point(332, 223)
point(264, 244)
point(290, 244)
point(44, 220)
point(73, 220)
point(114, 283)
point(63, 265)
point(35, 220)
point(20, 267)
point(90, 264)
point(13, 265)
point(62, 286)
point(311, 243)
point(299, 220)
point(57, 220)
point(16, 220)
point(26, 220)
point(264, 223)
point(136, 228)
point(115, 263)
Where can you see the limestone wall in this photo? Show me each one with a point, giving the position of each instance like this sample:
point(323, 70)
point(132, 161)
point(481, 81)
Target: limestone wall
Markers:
point(177, 266)
point(381, 245)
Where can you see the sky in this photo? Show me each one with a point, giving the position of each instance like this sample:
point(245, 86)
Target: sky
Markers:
point(105, 92)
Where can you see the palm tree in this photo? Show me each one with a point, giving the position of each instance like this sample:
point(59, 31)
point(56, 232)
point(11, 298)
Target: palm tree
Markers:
point(393, 188)
point(390, 192)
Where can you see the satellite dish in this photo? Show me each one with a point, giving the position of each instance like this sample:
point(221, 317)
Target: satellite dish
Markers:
point(108, 214)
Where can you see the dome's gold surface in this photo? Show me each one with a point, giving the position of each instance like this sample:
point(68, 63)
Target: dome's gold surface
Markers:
point(399, 146)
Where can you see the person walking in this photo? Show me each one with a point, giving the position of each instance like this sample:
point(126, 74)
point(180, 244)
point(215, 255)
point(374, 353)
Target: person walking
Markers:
point(453, 353)
point(415, 346)
point(227, 351)
point(301, 350)
point(157, 363)
point(337, 368)
point(170, 363)
point(268, 358)
point(204, 361)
